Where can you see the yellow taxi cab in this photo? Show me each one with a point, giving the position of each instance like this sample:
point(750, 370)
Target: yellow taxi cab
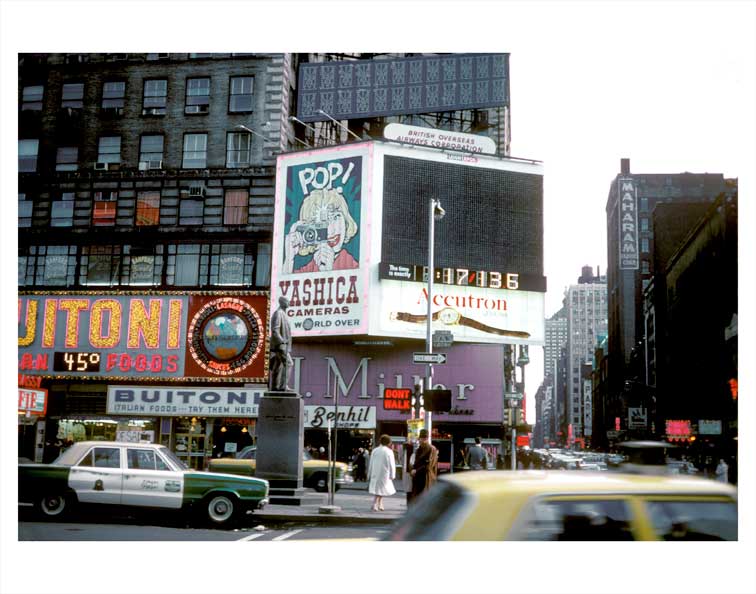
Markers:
point(565, 505)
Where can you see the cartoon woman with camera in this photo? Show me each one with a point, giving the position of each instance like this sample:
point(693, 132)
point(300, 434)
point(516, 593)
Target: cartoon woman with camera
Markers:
point(324, 227)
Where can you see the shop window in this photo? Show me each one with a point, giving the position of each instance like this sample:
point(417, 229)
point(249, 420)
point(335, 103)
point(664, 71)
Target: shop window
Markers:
point(67, 159)
point(25, 211)
point(148, 209)
point(262, 271)
point(61, 214)
point(187, 265)
point(100, 265)
point(231, 264)
point(236, 207)
point(144, 265)
point(55, 265)
point(104, 208)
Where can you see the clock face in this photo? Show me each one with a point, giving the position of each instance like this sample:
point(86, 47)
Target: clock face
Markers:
point(449, 316)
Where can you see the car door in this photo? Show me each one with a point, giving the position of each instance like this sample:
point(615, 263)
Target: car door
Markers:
point(576, 517)
point(98, 476)
point(148, 481)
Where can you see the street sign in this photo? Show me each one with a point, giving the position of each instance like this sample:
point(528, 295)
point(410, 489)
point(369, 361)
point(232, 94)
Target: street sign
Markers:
point(514, 396)
point(435, 358)
point(442, 339)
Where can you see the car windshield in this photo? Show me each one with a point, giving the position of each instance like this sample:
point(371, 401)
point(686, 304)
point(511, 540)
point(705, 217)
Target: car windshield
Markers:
point(435, 515)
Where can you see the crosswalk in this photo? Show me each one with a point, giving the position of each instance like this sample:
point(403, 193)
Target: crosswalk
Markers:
point(315, 533)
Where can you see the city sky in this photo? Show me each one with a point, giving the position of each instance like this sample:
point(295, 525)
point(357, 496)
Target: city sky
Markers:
point(669, 85)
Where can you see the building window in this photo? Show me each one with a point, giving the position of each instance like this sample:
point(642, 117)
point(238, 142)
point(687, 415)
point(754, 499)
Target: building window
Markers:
point(100, 265)
point(73, 95)
point(27, 155)
point(104, 210)
point(197, 95)
point(187, 265)
point(148, 209)
point(151, 151)
point(237, 149)
point(31, 98)
point(56, 265)
point(644, 244)
point(644, 204)
point(231, 264)
point(155, 93)
point(262, 271)
point(195, 151)
point(22, 264)
point(644, 224)
point(645, 269)
point(67, 159)
point(113, 94)
point(236, 207)
point(109, 150)
point(61, 214)
point(199, 56)
point(143, 265)
point(191, 211)
point(25, 210)
point(240, 94)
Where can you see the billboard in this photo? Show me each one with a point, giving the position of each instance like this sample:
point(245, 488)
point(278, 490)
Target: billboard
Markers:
point(144, 335)
point(488, 276)
point(321, 250)
point(629, 258)
point(351, 241)
point(353, 89)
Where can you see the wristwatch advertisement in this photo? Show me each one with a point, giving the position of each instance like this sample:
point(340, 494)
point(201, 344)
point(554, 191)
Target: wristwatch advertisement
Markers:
point(452, 317)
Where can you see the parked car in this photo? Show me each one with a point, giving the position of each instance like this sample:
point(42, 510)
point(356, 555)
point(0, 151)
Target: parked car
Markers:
point(555, 505)
point(135, 474)
point(314, 473)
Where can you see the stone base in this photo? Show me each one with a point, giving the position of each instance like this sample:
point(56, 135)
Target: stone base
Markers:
point(280, 439)
point(301, 496)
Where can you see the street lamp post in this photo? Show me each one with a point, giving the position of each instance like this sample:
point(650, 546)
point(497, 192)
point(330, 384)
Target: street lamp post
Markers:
point(435, 213)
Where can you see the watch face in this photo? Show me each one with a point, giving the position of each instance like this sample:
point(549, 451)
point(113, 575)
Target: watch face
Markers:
point(449, 316)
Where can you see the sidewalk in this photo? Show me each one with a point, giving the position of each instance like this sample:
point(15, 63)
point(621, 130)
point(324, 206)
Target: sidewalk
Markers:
point(354, 502)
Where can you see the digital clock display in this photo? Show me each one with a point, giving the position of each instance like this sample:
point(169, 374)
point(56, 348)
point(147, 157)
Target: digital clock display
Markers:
point(73, 361)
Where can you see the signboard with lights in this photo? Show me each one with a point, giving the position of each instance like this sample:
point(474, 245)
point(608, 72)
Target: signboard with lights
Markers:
point(397, 399)
point(32, 402)
point(678, 430)
point(172, 336)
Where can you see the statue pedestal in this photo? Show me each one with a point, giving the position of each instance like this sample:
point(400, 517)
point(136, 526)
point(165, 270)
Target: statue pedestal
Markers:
point(280, 443)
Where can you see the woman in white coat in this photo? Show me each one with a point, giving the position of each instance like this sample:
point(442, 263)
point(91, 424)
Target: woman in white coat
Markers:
point(381, 473)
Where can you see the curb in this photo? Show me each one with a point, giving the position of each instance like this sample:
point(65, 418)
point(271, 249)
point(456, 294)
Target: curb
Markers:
point(332, 519)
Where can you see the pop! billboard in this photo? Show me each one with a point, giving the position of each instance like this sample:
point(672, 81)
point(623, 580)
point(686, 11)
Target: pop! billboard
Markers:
point(320, 259)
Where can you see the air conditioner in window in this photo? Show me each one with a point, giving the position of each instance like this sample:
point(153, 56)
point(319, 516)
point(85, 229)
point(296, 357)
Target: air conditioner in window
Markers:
point(152, 111)
point(154, 164)
point(101, 166)
point(197, 191)
point(112, 111)
point(197, 109)
point(106, 196)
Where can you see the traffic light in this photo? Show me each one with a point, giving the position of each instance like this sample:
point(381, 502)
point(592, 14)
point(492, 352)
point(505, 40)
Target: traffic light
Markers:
point(417, 402)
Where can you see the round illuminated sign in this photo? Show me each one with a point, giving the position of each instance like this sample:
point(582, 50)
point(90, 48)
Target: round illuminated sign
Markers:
point(225, 336)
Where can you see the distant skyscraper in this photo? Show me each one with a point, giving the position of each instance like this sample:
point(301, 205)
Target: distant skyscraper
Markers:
point(586, 305)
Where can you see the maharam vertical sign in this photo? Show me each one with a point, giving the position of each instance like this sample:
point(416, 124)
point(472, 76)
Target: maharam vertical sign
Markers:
point(320, 247)
point(628, 224)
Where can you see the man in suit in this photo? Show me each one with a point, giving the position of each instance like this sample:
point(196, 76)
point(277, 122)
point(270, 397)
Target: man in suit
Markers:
point(425, 468)
point(280, 348)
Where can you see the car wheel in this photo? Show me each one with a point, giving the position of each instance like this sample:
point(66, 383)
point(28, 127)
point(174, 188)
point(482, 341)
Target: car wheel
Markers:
point(221, 509)
point(320, 482)
point(56, 505)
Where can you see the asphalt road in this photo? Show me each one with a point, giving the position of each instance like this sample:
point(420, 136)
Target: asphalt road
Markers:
point(123, 531)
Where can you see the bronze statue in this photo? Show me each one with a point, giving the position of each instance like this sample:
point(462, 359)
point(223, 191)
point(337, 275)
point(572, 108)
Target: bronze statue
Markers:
point(280, 348)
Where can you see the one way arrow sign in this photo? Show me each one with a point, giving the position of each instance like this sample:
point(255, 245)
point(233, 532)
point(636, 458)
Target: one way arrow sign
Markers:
point(423, 358)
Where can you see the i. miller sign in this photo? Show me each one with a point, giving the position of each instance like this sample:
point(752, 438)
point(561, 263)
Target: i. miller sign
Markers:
point(443, 139)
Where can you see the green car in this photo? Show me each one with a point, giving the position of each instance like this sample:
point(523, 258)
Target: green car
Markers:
point(314, 473)
point(140, 475)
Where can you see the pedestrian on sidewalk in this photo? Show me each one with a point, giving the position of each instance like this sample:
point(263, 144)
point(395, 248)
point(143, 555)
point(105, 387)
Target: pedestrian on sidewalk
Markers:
point(476, 456)
point(359, 465)
point(721, 471)
point(425, 467)
point(381, 473)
